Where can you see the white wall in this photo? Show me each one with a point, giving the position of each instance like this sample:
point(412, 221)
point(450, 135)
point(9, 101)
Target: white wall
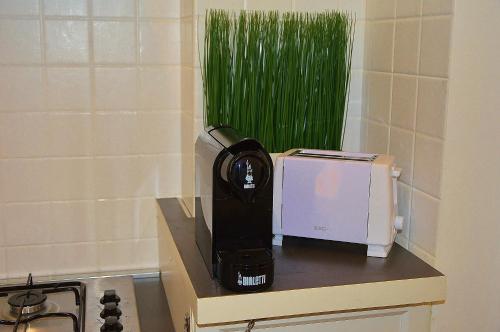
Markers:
point(468, 245)
point(404, 105)
point(89, 132)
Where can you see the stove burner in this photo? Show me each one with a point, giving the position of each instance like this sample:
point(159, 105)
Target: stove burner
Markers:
point(29, 303)
point(34, 301)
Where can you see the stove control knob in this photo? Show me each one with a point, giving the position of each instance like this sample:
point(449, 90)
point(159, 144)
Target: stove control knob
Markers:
point(110, 296)
point(111, 309)
point(111, 324)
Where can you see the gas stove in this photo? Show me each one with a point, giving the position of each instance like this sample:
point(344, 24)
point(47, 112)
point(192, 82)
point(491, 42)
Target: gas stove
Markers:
point(105, 304)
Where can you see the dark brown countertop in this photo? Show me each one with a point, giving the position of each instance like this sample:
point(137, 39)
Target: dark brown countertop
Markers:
point(152, 305)
point(300, 263)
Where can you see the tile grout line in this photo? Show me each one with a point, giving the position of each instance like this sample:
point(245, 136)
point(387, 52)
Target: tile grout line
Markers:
point(88, 18)
point(96, 241)
point(97, 65)
point(420, 134)
point(412, 178)
point(408, 18)
point(43, 51)
point(94, 156)
point(107, 111)
point(93, 93)
point(138, 64)
point(71, 201)
point(416, 75)
point(387, 149)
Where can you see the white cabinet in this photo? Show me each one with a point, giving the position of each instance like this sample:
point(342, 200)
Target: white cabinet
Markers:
point(404, 319)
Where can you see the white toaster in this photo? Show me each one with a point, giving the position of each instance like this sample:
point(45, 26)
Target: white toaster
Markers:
point(339, 196)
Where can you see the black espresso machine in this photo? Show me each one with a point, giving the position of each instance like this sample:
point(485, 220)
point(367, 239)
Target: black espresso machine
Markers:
point(233, 213)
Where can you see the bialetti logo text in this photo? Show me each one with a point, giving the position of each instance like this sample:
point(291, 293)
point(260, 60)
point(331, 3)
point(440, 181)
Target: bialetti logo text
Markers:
point(320, 228)
point(251, 281)
point(249, 177)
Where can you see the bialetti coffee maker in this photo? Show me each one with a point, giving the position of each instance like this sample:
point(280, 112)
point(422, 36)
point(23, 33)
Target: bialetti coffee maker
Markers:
point(234, 178)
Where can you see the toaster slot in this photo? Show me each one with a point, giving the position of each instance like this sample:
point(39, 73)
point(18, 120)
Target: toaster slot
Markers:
point(309, 154)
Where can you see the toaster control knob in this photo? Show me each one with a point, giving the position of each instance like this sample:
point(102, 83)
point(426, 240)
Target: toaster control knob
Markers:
point(111, 324)
point(398, 223)
point(396, 172)
point(110, 296)
point(111, 309)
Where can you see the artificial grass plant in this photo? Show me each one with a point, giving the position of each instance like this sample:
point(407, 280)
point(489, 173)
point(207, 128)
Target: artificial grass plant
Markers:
point(281, 78)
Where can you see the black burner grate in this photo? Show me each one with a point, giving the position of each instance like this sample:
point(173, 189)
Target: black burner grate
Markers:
point(34, 294)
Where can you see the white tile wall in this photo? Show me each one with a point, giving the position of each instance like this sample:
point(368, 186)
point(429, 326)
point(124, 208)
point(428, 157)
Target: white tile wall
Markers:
point(68, 88)
point(127, 254)
point(428, 163)
point(418, 66)
point(352, 129)
point(431, 109)
point(90, 132)
point(187, 9)
point(114, 42)
point(424, 217)
point(435, 46)
point(114, 8)
point(2, 232)
point(134, 176)
point(155, 82)
point(403, 107)
point(116, 88)
point(121, 219)
point(380, 9)
point(160, 42)
point(201, 6)
point(45, 179)
point(65, 7)
point(19, 7)
point(20, 40)
point(66, 41)
point(45, 135)
point(315, 5)
point(14, 84)
point(381, 132)
point(280, 5)
point(401, 147)
point(437, 7)
point(408, 8)
point(3, 267)
point(358, 7)
point(123, 133)
point(359, 45)
point(21, 259)
point(75, 257)
point(379, 43)
point(56, 222)
point(160, 9)
point(406, 46)
point(377, 96)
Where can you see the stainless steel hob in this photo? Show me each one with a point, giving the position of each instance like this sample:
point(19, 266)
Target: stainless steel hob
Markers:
point(105, 304)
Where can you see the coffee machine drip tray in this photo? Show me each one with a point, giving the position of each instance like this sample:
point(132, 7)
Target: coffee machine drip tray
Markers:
point(246, 270)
